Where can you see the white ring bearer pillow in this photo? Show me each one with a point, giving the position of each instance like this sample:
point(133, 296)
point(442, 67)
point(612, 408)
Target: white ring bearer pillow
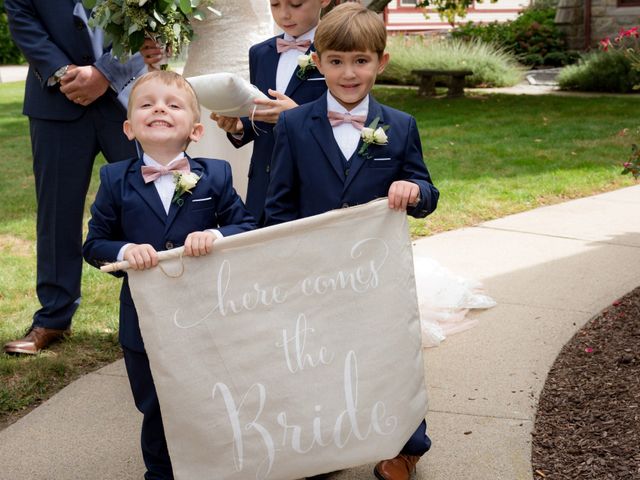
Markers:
point(444, 300)
point(227, 94)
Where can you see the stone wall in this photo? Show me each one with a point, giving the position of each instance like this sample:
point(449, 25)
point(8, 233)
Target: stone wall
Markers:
point(606, 20)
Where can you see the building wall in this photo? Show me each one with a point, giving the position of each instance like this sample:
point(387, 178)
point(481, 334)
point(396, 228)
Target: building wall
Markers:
point(607, 18)
point(402, 17)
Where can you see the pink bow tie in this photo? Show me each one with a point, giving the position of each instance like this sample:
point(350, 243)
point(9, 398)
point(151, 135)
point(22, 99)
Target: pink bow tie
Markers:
point(283, 45)
point(357, 121)
point(152, 172)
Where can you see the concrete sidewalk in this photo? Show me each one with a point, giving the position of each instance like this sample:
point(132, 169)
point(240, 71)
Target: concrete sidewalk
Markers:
point(550, 270)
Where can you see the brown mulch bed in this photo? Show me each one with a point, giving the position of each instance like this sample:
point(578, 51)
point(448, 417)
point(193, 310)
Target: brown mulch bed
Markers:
point(588, 420)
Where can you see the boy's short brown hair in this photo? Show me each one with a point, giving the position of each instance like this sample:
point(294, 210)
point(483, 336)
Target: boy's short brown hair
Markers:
point(351, 27)
point(168, 78)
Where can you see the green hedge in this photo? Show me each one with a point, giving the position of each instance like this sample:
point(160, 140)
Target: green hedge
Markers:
point(600, 72)
point(533, 37)
point(9, 53)
point(491, 66)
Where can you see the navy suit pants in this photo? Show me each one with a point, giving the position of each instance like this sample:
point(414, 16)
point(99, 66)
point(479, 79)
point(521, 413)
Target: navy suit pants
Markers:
point(153, 442)
point(63, 156)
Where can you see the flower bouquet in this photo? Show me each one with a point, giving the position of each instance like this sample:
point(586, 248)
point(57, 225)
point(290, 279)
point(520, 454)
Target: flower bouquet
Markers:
point(127, 23)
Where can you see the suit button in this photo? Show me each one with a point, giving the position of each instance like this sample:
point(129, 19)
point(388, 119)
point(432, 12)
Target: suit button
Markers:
point(168, 245)
point(345, 205)
point(268, 169)
point(79, 24)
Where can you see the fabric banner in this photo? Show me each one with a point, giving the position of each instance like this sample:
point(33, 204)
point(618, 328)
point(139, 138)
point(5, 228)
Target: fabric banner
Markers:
point(289, 351)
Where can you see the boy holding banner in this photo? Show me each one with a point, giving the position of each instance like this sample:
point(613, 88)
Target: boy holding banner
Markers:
point(325, 158)
point(160, 201)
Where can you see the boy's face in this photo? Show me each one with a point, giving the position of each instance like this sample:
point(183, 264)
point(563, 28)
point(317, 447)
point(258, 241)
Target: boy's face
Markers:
point(297, 17)
point(350, 76)
point(161, 117)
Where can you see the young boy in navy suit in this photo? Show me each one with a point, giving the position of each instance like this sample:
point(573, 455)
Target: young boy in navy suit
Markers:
point(324, 159)
point(161, 201)
point(274, 69)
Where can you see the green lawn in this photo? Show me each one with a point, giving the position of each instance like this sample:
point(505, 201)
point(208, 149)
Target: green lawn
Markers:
point(489, 156)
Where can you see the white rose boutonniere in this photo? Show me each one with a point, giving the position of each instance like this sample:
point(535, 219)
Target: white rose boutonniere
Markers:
point(373, 135)
point(184, 184)
point(305, 62)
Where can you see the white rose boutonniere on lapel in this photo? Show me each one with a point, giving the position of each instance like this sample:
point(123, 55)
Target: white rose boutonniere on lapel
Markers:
point(185, 182)
point(305, 62)
point(373, 135)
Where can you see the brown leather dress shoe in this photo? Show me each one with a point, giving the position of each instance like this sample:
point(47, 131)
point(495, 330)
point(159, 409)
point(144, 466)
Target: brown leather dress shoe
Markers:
point(35, 340)
point(399, 468)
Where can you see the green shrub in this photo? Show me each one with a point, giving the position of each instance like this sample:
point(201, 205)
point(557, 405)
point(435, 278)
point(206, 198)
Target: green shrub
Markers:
point(9, 53)
point(533, 37)
point(600, 72)
point(491, 66)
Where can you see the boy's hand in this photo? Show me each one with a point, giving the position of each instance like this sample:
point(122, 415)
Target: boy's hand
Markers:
point(83, 85)
point(403, 194)
point(232, 125)
point(141, 256)
point(271, 114)
point(199, 243)
point(152, 53)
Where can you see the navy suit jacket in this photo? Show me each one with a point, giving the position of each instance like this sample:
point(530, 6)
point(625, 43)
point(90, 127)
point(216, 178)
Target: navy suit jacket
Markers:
point(311, 176)
point(263, 64)
point(127, 210)
point(51, 36)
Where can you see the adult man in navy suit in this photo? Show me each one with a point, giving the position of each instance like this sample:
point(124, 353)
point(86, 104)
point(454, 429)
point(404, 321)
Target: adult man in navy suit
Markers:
point(71, 99)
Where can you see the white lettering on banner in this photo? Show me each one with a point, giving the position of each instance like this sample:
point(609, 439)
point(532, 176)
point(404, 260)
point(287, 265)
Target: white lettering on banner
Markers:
point(299, 340)
point(360, 279)
point(293, 436)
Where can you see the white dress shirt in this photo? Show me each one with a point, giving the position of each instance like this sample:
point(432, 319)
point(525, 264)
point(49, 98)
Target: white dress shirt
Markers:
point(347, 136)
point(288, 61)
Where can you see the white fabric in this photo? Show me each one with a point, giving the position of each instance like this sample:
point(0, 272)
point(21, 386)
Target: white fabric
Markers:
point(226, 94)
point(289, 351)
point(346, 135)
point(221, 44)
point(288, 61)
point(445, 300)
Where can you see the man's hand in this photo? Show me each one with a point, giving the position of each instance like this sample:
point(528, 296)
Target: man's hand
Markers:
point(152, 53)
point(83, 85)
point(199, 243)
point(403, 194)
point(271, 114)
point(231, 125)
point(141, 256)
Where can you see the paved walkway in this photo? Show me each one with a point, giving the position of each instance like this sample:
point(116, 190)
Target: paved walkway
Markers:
point(550, 270)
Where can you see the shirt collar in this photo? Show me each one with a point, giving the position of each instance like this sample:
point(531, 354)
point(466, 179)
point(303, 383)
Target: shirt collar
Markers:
point(334, 106)
point(147, 160)
point(305, 36)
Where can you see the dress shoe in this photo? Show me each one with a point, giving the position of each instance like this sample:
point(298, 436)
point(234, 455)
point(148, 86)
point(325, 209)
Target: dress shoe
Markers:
point(35, 340)
point(399, 468)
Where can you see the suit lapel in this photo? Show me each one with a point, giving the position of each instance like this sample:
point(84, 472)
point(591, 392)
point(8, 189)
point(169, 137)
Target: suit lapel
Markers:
point(323, 133)
point(147, 191)
point(175, 209)
point(295, 80)
point(357, 161)
point(271, 70)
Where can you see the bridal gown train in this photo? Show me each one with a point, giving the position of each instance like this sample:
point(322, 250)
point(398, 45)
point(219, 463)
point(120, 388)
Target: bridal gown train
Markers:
point(221, 44)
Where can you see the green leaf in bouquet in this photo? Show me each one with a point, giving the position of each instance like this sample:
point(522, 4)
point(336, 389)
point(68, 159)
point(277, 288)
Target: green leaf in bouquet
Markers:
point(89, 3)
point(133, 28)
point(136, 39)
point(152, 24)
point(159, 17)
point(198, 15)
point(185, 7)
